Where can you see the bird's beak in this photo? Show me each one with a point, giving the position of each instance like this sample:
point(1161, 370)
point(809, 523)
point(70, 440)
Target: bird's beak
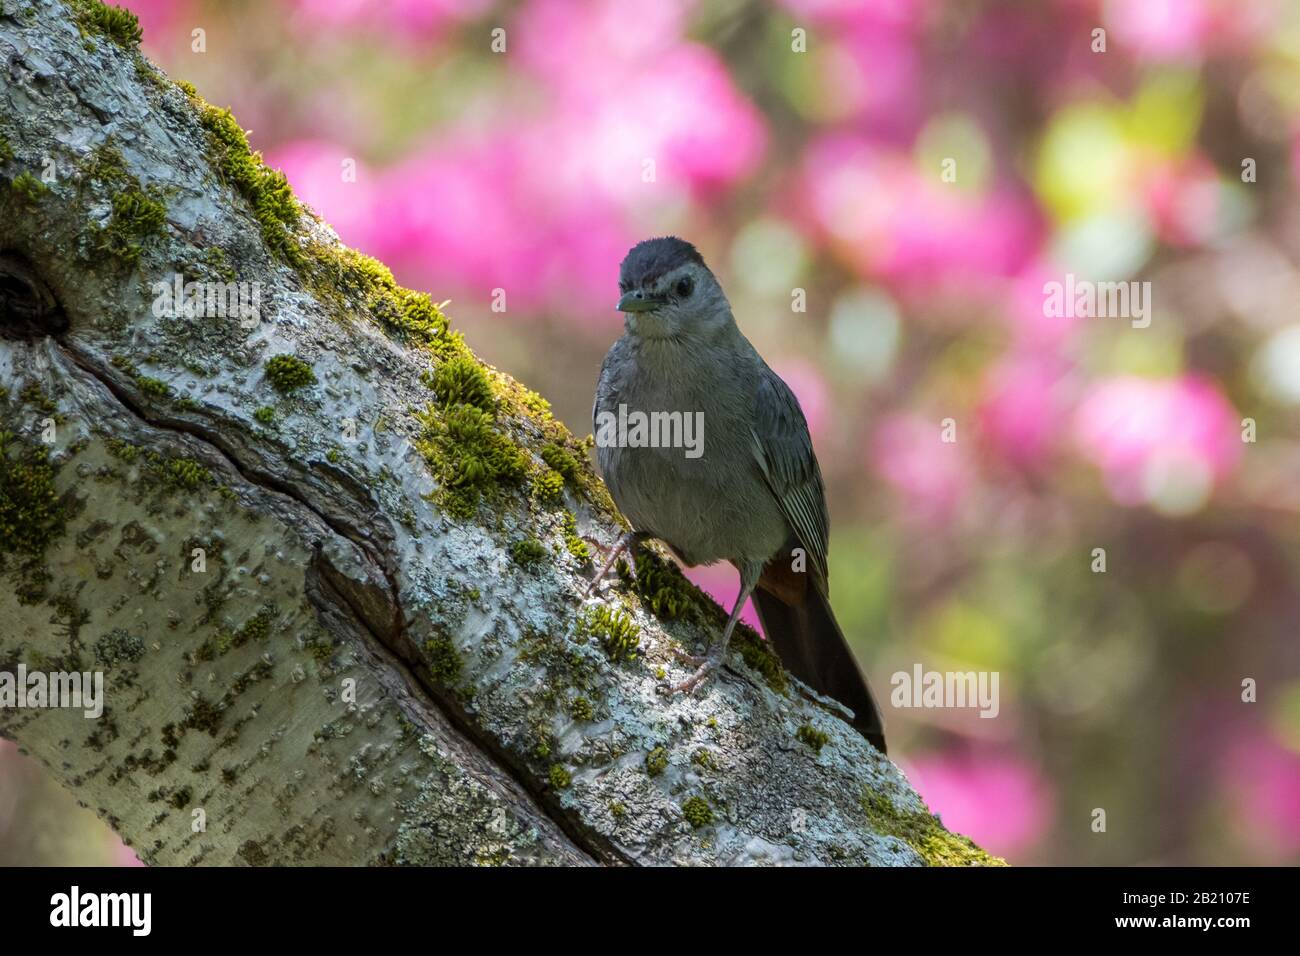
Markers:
point(638, 301)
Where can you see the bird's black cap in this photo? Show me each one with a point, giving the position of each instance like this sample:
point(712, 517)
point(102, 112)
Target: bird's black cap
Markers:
point(651, 258)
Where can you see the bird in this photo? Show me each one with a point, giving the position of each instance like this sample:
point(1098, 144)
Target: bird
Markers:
point(750, 494)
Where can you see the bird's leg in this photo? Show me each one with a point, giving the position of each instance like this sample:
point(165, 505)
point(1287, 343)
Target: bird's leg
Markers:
point(718, 651)
point(629, 540)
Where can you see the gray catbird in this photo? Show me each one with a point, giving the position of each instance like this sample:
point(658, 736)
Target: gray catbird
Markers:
point(750, 492)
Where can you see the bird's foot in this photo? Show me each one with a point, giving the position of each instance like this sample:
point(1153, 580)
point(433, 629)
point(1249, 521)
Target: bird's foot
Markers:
point(706, 666)
point(620, 546)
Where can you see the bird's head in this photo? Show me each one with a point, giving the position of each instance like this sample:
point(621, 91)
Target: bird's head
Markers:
point(667, 292)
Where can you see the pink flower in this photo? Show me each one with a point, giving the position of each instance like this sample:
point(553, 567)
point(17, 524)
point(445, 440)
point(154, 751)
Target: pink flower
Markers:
point(1261, 780)
point(928, 475)
point(320, 176)
point(888, 220)
point(1165, 442)
point(1023, 408)
point(158, 18)
point(1184, 200)
point(1000, 801)
point(402, 20)
point(1188, 30)
point(722, 583)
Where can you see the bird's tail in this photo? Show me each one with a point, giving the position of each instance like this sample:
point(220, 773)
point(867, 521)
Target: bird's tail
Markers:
point(812, 647)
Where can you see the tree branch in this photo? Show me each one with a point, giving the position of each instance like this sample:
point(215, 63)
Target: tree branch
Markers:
point(336, 597)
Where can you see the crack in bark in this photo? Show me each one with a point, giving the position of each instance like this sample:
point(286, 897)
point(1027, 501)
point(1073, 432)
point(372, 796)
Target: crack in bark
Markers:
point(343, 587)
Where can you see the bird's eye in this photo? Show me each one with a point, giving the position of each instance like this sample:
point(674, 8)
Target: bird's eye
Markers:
point(684, 286)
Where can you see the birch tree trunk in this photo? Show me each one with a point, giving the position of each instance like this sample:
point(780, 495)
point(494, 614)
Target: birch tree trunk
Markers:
point(330, 566)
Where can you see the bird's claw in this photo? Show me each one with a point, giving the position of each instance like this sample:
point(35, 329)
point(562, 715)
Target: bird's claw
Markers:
point(706, 667)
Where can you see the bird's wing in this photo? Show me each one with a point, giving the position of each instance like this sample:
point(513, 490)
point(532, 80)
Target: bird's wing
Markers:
point(784, 452)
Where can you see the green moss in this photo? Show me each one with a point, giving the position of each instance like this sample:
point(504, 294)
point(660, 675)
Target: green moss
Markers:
point(411, 317)
point(123, 450)
point(288, 373)
point(28, 187)
point(444, 660)
point(31, 514)
point(33, 394)
point(468, 455)
point(924, 833)
point(759, 656)
point(703, 759)
point(153, 386)
point(265, 414)
point(697, 811)
point(580, 709)
point(548, 487)
point(527, 552)
point(617, 810)
point(664, 589)
point(266, 189)
point(462, 381)
point(814, 738)
point(185, 473)
point(562, 462)
point(6, 151)
point(136, 216)
point(572, 543)
point(616, 633)
point(560, 778)
point(656, 761)
point(114, 23)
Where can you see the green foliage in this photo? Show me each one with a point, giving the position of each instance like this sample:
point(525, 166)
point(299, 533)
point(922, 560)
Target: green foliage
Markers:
point(120, 26)
point(6, 151)
point(288, 373)
point(265, 414)
point(580, 709)
point(616, 633)
point(814, 738)
point(697, 811)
